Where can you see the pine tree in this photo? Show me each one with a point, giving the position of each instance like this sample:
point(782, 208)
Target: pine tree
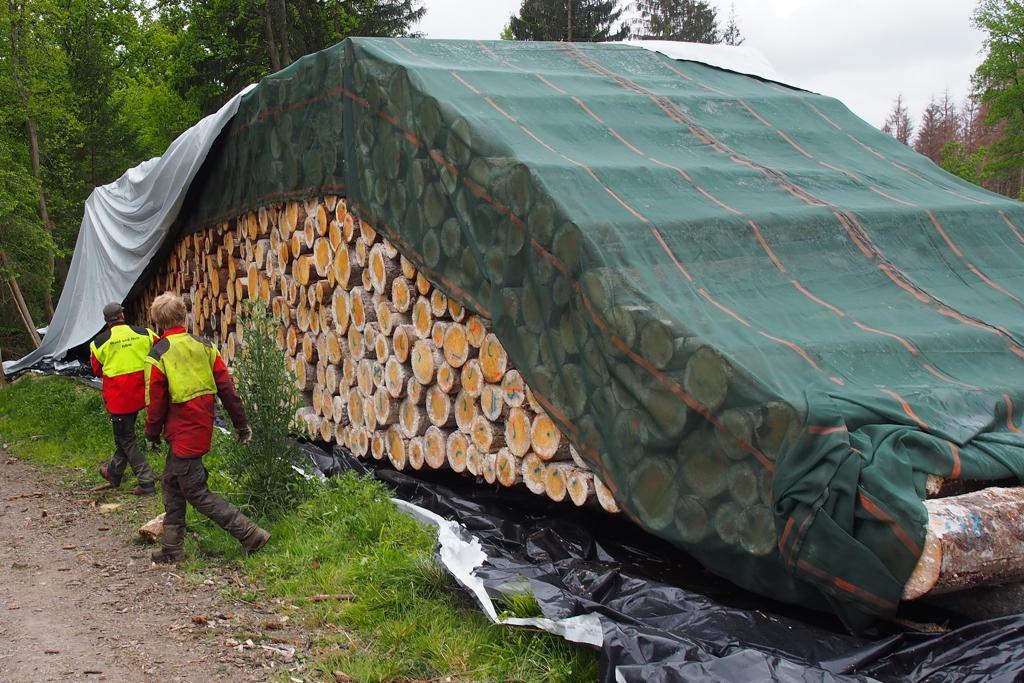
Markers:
point(731, 35)
point(899, 124)
point(950, 122)
point(929, 140)
point(694, 21)
point(592, 21)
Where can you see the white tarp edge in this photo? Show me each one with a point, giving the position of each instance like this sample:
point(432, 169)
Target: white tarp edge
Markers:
point(739, 58)
point(461, 554)
point(124, 225)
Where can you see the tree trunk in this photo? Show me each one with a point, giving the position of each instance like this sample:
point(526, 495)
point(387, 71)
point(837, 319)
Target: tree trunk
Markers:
point(972, 540)
point(286, 57)
point(19, 67)
point(26, 317)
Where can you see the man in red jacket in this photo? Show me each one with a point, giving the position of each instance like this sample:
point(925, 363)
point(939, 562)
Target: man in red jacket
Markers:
point(185, 374)
point(118, 355)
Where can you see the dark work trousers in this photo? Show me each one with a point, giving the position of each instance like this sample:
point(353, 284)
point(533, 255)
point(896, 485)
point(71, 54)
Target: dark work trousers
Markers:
point(184, 481)
point(127, 452)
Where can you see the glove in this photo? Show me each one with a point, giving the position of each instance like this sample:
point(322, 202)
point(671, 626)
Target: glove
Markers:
point(154, 442)
point(244, 435)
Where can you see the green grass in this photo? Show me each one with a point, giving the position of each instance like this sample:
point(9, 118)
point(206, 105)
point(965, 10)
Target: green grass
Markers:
point(407, 619)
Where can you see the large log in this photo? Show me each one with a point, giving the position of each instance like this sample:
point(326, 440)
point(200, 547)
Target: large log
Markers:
point(972, 540)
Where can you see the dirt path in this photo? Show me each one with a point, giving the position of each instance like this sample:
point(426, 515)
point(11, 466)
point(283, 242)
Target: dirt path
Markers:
point(79, 600)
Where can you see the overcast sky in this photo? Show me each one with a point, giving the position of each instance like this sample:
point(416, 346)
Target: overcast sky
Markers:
point(862, 52)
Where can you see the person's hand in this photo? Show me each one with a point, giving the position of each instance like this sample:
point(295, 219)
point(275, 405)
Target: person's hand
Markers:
point(154, 442)
point(244, 435)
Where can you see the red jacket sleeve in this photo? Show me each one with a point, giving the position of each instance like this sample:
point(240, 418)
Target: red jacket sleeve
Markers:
point(228, 395)
point(97, 366)
point(158, 404)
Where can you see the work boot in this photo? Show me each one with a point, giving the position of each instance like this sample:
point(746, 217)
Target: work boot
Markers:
point(105, 473)
point(167, 555)
point(141, 490)
point(255, 540)
point(172, 549)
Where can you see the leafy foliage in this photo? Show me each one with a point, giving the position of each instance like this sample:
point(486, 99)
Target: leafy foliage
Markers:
point(999, 86)
point(592, 21)
point(898, 124)
point(731, 35)
point(262, 469)
point(90, 88)
point(694, 21)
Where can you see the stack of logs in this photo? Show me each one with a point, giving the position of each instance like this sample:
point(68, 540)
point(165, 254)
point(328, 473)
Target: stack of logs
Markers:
point(390, 366)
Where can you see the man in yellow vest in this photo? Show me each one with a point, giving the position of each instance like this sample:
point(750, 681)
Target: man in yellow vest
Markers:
point(185, 375)
point(118, 355)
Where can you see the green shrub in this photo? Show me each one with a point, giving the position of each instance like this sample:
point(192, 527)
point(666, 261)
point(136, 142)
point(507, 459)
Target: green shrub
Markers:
point(262, 470)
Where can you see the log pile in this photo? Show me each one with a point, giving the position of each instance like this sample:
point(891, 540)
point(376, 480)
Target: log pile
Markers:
point(390, 367)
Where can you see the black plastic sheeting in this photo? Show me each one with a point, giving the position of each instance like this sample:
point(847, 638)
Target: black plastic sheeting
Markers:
point(667, 620)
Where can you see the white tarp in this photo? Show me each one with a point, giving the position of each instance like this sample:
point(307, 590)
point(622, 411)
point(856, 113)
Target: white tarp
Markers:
point(461, 554)
point(124, 225)
point(739, 58)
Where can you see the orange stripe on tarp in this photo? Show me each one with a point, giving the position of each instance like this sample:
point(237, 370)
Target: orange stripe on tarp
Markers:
point(822, 114)
point(992, 283)
point(891, 273)
point(946, 378)
point(1009, 414)
point(756, 115)
point(849, 174)
point(938, 227)
point(794, 145)
point(469, 87)
point(490, 101)
point(546, 82)
point(690, 401)
point(970, 266)
point(704, 293)
point(767, 249)
point(954, 452)
point(664, 245)
point(891, 198)
point(582, 106)
point(897, 530)
point(908, 170)
point(803, 290)
point(803, 354)
point(866, 147)
point(1013, 227)
point(964, 196)
point(906, 407)
point(910, 347)
point(825, 430)
point(785, 534)
point(718, 201)
point(678, 170)
point(846, 586)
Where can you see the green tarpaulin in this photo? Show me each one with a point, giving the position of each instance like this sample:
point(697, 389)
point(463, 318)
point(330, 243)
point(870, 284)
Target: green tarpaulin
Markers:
point(763, 322)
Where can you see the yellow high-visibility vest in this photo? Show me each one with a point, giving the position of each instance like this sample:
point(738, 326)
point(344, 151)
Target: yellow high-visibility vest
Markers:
point(122, 349)
point(187, 363)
